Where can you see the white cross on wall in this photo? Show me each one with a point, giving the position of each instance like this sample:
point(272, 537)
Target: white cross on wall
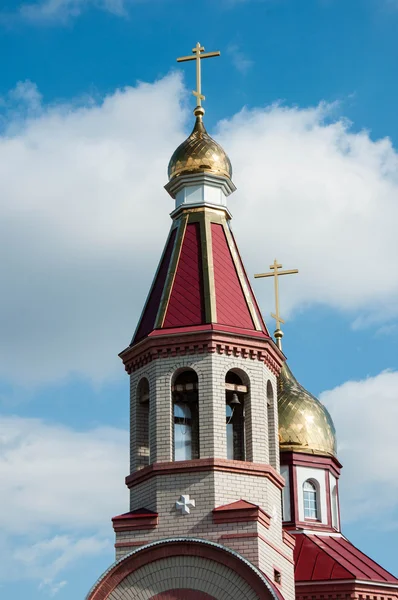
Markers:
point(184, 504)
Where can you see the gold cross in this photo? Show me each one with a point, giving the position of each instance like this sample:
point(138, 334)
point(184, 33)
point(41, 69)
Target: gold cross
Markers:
point(198, 52)
point(275, 273)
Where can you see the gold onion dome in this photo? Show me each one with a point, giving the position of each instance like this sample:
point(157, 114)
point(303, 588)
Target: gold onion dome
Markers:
point(305, 425)
point(199, 153)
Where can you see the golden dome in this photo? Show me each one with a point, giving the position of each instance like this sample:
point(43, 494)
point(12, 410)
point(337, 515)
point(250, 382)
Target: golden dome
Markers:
point(199, 153)
point(304, 423)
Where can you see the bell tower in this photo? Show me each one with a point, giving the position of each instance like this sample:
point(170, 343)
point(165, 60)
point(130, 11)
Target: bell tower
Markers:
point(205, 484)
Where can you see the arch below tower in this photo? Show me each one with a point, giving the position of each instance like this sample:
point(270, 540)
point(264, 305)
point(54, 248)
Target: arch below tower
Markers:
point(204, 571)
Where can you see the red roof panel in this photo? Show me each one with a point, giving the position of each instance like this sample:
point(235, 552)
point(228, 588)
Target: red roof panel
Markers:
point(151, 309)
point(231, 305)
point(325, 558)
point(186, 305)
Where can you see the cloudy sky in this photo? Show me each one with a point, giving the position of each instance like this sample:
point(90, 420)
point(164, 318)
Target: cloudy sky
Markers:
point(92, 104)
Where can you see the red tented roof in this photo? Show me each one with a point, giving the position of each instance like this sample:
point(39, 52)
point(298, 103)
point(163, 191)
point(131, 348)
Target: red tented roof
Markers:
point(148, 318)
point(186, 304)
point(325, 558)
point(231, 304)
point(200, 281)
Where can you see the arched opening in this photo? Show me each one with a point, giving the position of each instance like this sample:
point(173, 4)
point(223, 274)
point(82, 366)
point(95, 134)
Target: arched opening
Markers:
point(335, 510)
point(142, 423)
point(235, 392)
point(185, 415)
point(310, 497)
point(273, 446)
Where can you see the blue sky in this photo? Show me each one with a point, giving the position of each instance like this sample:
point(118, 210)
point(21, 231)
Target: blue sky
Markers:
point(93, 104)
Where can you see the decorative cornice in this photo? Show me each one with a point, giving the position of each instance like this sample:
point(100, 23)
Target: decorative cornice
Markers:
point(199, 340)
point(241, 512)
point(288, 539)
point(205, 465)
point(177, 183)
point(139, 519)
point(302, 459)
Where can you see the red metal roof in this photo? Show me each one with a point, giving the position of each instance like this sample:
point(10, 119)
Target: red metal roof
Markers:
point(186, 304)
point(200, 282)
point(325, 558)
point(231, 305)
point(148, 318)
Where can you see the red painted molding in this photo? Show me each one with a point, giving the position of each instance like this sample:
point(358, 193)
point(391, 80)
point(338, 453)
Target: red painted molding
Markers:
point(302, 459)
point(313, 525)
point(130, 544)
point(254, 345)
point(288, 539)
point(138, 519)
point(151, 554)
point(206, 464)
point(239, 512)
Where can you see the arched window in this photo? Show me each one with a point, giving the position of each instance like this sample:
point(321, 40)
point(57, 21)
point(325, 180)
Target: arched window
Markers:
point(235, 416)
point(310, 500)
point(142, 423)
point(186, 416)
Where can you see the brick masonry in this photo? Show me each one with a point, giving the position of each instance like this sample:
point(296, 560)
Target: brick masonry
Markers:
point(264, 547)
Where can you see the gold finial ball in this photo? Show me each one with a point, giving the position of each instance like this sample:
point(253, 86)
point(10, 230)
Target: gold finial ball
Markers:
point(199, 111)
point(199, 153)
point(278, 333)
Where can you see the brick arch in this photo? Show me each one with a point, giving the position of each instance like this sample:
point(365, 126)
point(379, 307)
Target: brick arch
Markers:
point(205, 568)
point(184, 594)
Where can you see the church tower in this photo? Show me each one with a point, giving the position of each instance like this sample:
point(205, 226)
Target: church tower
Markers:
point(205, 518)
point(233, 467)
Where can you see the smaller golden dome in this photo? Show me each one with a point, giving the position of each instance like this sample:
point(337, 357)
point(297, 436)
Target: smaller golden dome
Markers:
point(199, 153)
point(305, 425)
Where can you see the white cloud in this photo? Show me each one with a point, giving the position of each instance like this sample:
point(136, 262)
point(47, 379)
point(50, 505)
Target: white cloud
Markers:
point(62, 10)
point(54, 507)
point(83, 218)
point(240, 61)
point(52, 475)
point(365, 414)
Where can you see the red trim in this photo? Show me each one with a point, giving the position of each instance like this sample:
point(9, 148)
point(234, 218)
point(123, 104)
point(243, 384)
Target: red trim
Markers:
point(130, 544)
point(311, 460)
point(152, 554)
point(288, 539)
point(204, 339)
point(138, 519)
point(241, 511)
point(205, 464)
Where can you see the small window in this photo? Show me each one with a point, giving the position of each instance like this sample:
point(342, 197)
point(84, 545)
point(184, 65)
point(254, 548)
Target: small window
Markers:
point(277, 576)
point(310, 500)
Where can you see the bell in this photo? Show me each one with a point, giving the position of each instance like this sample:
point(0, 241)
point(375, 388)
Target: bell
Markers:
point(234, 400)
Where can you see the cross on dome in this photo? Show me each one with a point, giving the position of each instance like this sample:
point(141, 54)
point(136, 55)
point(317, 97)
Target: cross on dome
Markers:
point(199, 54)
point(275, 273)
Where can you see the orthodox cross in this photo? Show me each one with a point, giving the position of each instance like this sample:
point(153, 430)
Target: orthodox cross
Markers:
point(275, 273)
point(184, 504)
point(199, 53)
